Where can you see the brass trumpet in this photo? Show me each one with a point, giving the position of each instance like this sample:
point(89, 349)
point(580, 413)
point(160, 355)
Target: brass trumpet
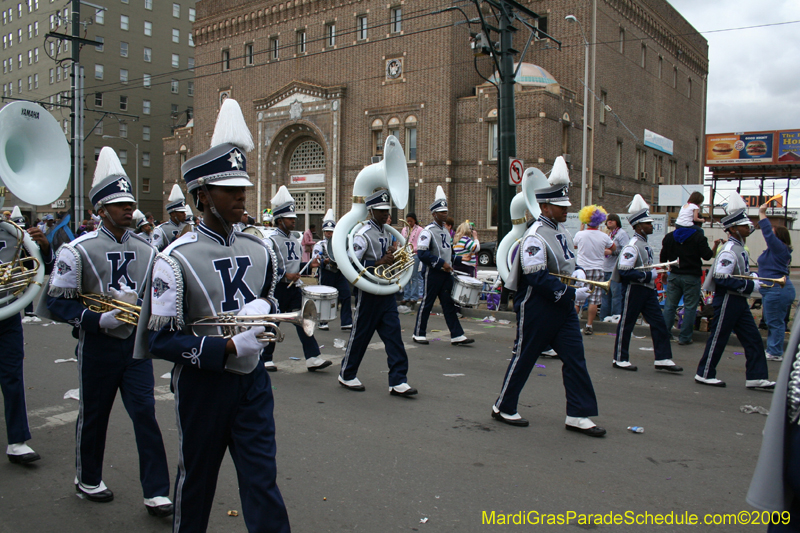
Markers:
point(661, 267)
point(16, 275)
point(403, 260)
point(100, 303)
point(231, 325)
point(779, 281)
point(572, 282)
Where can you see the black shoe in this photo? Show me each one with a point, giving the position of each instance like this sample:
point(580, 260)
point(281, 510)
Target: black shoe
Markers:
point(462, 341)
point(595, 431)
point(519, 422)
point(24, 459)
point(411, 391)
point(631, 368)
point(160, 511)
point(104, 496)
point(669, 368)
point(324, 364)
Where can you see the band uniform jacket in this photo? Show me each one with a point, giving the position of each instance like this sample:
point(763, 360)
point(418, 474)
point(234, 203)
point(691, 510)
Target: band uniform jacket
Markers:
point(637, 253)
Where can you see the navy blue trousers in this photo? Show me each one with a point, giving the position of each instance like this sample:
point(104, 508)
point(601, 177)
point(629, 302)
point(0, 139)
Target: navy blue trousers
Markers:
point(543, 324)
point(340, 283)
point(11, 379)
point(219, 412)
point(105, 365)
point(376, 313)
point(437, 284)
point(291, 299)
point(732, 315)
point(792, 476)
point(638, 299)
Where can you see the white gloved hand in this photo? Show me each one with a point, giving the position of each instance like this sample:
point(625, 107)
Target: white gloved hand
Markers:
point(654, 274)
point(255, 307)
point(581, 295)
point(125, 294)
point(109, 320)
point(247, 345)
point(756, 285)
point(754, 275)
point(579, 274)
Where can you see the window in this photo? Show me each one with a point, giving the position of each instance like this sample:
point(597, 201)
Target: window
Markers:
point(176, 10)
point(377, 139)
point(123, 75)
point(148, 4)
point(123, 49)
point(98, 99)
point(273, 46)
point(601, 186)
point(30, 57)
point(148, 28)
point(30, 83)
point(301, 42)
point(689, 89)
point(30, 31)
point(123, 128)
point(190, 63)
point(192, 14)
point(124, 22)
point(98, 72)
point(641, 160)
point(123, 105)
point(36, 60)
point(96, 154)
point(226, 60)
point(696, 148)
point(58, 75)
point(397, 20)
point(621, 41)
point(411, 142)
point(660, 67)
point(100, 16)
point(644, 56)
point(248, 54)
point(494, 147)
point(308, 156)
point(145, 184)
point(145, 159)
point(603, 98)
point(176, 35)
point(173, 110)
point(146, 107)
point(146, 80)
point(191, 39)
point(674, 77)
point(99, 47)
point(491, 206)
point(176, 60)
point(36, 29)
point(330, 35)
point(618, 166)
point(362, 27)
point(19, 85)
point(190, 88)
point(52, 76)
point(174, 86)
point(145, 133)
point(123, 157)
point(148, 54)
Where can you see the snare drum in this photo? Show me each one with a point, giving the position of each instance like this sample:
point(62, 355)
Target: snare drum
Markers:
point(466, 291)
point(324, 299)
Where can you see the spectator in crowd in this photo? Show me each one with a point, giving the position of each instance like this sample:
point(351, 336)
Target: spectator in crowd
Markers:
point(413, 289)
point(6, 215)
point(611, 304)
point(689, 214)
point(592, 246)
point(776, 300)
point(150, 219)
point(449, 224)
point(690, 246)
point(466, 246)
point(95, 218)
point(308, 242)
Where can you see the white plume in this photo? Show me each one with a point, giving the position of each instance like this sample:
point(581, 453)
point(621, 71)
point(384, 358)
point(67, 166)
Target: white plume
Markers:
point(231, 127)
point(329, 215)
point(16, 213)
point(176, 194)
point(281, 197)
point(560, 173)
point(188, 210)
point(637, 204)
point(735, 203)
point(440, 195)
point(107, 165)
point(137, 215)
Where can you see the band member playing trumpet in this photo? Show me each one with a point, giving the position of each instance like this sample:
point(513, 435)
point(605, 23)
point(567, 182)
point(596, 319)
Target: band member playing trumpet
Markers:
point(639, 293)
point(115, 262)
point(545, 309)
point(170, 230)
point(731, 311)
point(376, 312)
point(223, 395)
point(435, 250)
point(329, 273)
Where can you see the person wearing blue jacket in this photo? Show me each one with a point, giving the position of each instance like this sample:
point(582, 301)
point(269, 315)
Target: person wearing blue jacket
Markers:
point(776, 300)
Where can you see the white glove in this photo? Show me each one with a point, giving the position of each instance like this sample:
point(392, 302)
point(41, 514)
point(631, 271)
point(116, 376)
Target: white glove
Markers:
point(109, 320)
point(581, 295)
point(256, 307)
point(579, 274)
point(756, 285)
point(125, 294)
point(247, 345)
point(654, 274)
point(754, 275)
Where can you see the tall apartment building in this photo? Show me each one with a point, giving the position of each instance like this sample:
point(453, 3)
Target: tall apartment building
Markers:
point(138, 84)
point(323, 82)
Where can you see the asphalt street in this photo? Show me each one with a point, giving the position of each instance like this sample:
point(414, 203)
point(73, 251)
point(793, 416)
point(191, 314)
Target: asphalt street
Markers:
point(372, 462)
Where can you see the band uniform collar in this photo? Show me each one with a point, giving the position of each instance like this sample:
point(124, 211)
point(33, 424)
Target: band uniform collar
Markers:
point(548, 222)
point(218, 237)
point(125, 236)
point(375, 225)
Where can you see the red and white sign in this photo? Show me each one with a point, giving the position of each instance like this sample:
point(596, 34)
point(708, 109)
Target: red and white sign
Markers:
point(516, 169)
point(307, 178)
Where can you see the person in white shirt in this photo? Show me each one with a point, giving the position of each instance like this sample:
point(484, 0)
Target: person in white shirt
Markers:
point(592, 245)
point(690, 213)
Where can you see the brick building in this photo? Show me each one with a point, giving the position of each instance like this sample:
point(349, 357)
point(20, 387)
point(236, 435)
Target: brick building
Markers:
point(323, 82)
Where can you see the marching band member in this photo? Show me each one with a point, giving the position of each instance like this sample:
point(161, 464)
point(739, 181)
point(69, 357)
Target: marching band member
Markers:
point(329, 274)
point(223, 395)
point(144, 228)
point(731, 310)
point(12, 355)
point(375, 312)
point(546, 311)
point(639, 293)
point(172, 228)
point(434, 248)
point(290, 298)
point(112, 261)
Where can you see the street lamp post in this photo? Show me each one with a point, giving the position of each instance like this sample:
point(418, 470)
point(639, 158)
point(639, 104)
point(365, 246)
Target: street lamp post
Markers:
point(572, 18)
point(136, 146)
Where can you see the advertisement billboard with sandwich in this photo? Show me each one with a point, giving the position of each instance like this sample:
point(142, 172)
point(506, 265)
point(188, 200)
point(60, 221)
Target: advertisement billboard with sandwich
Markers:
point(754, 148)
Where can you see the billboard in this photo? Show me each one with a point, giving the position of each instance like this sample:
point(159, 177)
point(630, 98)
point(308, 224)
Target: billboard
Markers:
point(753, 200)
point(659, 142)
point(788, 147)
point(740, 148)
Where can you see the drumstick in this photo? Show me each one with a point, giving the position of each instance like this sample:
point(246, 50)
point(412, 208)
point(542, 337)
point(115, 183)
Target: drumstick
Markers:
point(304, 269)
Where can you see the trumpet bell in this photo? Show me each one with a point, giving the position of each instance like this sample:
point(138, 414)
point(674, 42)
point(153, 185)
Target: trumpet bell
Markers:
point(34, 154)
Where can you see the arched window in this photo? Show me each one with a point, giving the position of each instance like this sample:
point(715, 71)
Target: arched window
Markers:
point(308, 156)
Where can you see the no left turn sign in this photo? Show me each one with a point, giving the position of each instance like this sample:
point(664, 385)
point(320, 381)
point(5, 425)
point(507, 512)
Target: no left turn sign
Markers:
point(516, 169)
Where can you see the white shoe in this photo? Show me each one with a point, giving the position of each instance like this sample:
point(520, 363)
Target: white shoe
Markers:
point(759, 384)
point(419, 340)
point(317, 363)
point(270, 366)
point(621, 364)
point(404, 389)
point(550, 353)
point(771, 357)
point(157, 501)
point(323, 327)
point(90, 490)
point(714, 382)
point(18, 449)
point(353, 384)
point(664, 362)
point(579, 422)
point(349, 326)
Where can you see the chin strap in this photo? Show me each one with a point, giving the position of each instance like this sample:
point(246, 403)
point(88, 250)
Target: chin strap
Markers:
point(225, 224)
point(111, 220)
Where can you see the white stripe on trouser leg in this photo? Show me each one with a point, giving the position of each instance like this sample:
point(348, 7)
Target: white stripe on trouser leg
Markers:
point(716, 336)
point(176, 375)
point(353, 332)
point(79, 432)
point(422, 304)
point(622, 322)
point(518, 352)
